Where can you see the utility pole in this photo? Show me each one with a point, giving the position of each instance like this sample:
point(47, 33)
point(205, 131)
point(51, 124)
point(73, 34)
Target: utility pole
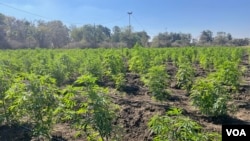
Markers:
point(129, 13)
point(94, 36)
point(129, 44)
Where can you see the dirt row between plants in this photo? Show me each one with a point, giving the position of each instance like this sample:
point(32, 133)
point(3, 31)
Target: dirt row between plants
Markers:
point(137, 107)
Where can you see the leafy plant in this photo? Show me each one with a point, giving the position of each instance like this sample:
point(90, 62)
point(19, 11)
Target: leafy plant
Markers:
point(119, 80)
point(30, 79)
point(113, 64)
point(173, 126)
point(210, 97)
point(206, 62)
point(93, 65)
point(58, 72)
point(156, 79)
point(185, 76)
point(5, 84)
point(228, 74)
point(139, 61)
point(89, 108)
point(157, 60)
point(174, 111)
point(114, 68)
point(34, 100)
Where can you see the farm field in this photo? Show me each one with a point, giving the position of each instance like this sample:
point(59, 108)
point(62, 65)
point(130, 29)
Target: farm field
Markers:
point(123, 94)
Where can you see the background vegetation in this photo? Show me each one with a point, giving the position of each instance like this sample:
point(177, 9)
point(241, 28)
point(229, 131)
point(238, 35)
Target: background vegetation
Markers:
point(16, 33)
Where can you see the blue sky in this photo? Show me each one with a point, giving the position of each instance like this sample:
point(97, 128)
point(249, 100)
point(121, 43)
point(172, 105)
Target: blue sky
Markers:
point(153, 16)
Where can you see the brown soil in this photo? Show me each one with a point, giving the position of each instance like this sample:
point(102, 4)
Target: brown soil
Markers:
point(137, 107)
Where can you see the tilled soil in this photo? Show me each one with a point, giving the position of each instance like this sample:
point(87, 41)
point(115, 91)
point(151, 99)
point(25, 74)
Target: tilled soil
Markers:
point(137, 107)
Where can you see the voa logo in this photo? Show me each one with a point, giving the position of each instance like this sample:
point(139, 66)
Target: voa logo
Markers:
point(236, 132)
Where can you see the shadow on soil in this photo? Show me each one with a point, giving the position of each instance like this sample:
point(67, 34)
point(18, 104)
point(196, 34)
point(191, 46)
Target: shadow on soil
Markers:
point(20, 133)
point(226, 120)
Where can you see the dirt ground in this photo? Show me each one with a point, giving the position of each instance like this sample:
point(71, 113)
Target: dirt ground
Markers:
point(137, 107)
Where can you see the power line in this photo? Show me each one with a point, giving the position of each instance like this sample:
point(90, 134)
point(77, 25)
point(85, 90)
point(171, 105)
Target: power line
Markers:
point(141, 25)
point(138, 22)
point(34, 14)
point(24, 11)
point(43, 17)
point(77, 23)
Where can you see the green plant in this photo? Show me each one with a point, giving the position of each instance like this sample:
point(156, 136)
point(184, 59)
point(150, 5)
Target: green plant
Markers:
point(113, 64)
point(58, 72)
point(175, 127)
point(174, 111)
point(33, 101)
point(157, 60)
point(156, 79)
point(206, 62)
point(119, 80)
point(139, 61)
point(185, 76)
point(5, 84)
point(93, 65)
point(114, 68)
point(228, 74)
point(88, 107)
point(210, 97)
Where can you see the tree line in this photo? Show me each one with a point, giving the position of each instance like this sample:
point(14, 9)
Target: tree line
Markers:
point(16, 33)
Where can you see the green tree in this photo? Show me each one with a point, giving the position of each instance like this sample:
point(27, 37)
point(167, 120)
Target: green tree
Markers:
point(76, 33)
point(3, 41)
point(206, 37)
point(59, 34)
point(52, 34)
point(20, 33)
point(221, 39)
point(171, 39)
point(93, 35)
point(116, 34)
point(241, 42)
point(142, 38)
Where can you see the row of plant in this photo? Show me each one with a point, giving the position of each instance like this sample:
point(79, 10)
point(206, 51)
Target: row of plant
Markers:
point(45, 87)
point(65, 64)
point(37, 101)
point(212, 93)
